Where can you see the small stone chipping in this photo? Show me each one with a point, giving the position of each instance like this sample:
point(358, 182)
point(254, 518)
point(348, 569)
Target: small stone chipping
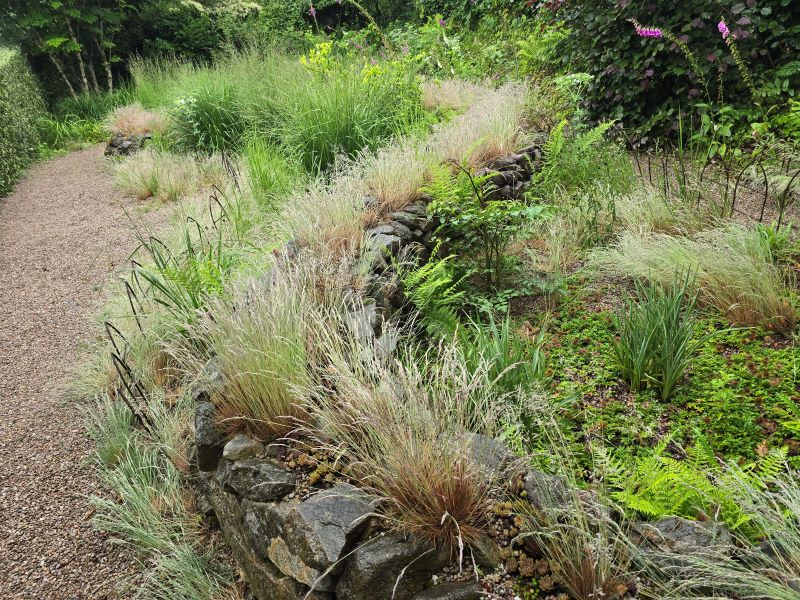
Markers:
point(63, 233)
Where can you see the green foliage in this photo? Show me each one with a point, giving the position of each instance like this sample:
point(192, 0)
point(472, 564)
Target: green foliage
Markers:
point(182, 282)
point(512, 362)
point(315, 114)
point(741, 393)
point(697, 487)
point(208, 120)
point(656, 336)
point(21, 107)
point(638, 79)
point(434, 290)
point(576, 161)
point(271, 174)
point(482, 228)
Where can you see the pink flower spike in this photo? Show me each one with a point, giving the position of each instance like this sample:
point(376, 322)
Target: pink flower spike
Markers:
point(723, 29)
point(312, 11)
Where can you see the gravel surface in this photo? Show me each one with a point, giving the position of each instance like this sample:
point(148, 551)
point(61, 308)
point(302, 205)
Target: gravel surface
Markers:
point(63, 233)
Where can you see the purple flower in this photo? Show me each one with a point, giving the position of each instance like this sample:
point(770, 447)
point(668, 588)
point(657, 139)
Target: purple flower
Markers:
point(649, 32)
point(312, 11)
point(723, 29)
point(405, 49)
point(442, 22)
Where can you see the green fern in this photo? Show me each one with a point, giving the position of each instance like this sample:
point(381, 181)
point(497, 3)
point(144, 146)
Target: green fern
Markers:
point(575, 162)
point(434, 291)
point(697, 487)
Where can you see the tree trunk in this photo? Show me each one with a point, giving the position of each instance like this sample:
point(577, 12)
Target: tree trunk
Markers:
point(106, 65)
point(63, 74)
point(93, 75)
point(79, 57)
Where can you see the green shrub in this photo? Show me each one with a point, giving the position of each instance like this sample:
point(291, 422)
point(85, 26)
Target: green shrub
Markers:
point(656, 338)
point(482, 228)
point(21, 105)
point(646, 81)
point(577, 161)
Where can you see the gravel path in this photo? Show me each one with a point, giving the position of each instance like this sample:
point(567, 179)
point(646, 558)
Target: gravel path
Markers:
point(63, 233)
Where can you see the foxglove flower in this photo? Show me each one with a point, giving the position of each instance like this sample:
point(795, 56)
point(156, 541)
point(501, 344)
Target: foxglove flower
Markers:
point(723, 29)
point(312, 11)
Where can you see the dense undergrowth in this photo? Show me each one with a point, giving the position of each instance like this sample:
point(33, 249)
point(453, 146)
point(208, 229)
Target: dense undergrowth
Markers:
point(21, 104)
point(629, 330)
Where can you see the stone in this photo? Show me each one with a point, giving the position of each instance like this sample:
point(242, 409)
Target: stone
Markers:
point(364, 319)
point(376, 566)
point(503, 163)
point(208, 381)
point(681, 535)
point(263, 521)
point(457, 590)
point(260, 479)
point(265, 581)
point(501, 193)
point(209, 439)
point(408, 219)
point(241, 447)
point(122, 145)
point(382, 243)
point(486, 552)
point(401, 231)
point(547, 491)
point(319, 532)
point(418, 208)
point(490, 454)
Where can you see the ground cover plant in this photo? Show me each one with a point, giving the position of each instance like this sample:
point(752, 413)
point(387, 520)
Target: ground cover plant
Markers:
point(629, 335)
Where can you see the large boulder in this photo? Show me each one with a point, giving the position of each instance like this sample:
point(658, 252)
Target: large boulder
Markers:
point(389, 566)
point(259, 479)
point(266, 581)
point(318, 533)
point(679, 535)
point(125, 145)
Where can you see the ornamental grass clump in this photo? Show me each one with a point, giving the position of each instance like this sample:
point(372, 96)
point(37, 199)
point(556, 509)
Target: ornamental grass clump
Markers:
point(655, 335)
point(733, 266)
point(133, 119)
point(259, 337)
point(399, 426)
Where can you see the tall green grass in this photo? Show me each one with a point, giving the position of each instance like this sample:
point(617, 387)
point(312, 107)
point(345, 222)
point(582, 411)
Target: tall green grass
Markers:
point(275, 98)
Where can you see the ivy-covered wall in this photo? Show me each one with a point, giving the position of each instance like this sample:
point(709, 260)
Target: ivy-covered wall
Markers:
point(21, 104)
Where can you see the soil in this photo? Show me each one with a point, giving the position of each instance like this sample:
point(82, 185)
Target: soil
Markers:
point(64, 233)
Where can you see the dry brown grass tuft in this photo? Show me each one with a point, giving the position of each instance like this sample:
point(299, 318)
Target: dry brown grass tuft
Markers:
point(399, 429)
point(395, 175)
point(450, 94)
point(135, 120)
point(491, 128)
point(168, 177)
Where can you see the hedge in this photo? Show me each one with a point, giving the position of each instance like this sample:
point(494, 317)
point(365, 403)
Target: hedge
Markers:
point(642, 81)
point(21, 104)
